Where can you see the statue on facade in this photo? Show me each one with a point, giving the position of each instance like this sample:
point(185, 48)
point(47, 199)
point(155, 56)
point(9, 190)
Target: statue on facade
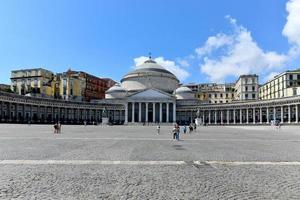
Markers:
point(104, 113)
point(198, 113)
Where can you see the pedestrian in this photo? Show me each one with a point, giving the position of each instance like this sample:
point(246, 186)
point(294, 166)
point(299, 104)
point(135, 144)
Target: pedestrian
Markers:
point(190, 128)
point(177, 132)
point(59, 127)
point(84, 122)
point(174, 132)
point(158, 129)
point(184, 129)
point(55, 128)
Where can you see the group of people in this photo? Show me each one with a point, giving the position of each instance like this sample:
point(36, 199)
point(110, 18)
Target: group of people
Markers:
point(57, 128)
point(176, 130)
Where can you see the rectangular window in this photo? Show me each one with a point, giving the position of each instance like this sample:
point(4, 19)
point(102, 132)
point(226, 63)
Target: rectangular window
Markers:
point(215, 95)
point(226, 95)
point(246, 88)
point(294, 91)
point(221, 95)
point(291, 77)
point(246, 96)
point(209, 95)
point(253, 88)
point(253, 96)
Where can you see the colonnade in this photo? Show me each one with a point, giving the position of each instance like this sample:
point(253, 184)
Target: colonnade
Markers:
point(162, 112)
point(19, 109)
point(255, 115)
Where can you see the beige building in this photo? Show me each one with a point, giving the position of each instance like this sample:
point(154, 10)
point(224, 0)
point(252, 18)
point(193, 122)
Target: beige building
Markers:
point(213, 93)
point(35, 82)
point(286, 84)
point(69, 85)
point(246, 88)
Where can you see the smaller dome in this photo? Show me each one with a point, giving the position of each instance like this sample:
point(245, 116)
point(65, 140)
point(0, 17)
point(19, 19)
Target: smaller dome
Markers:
point(183, 89)
point(184, 92)
point(115, 92)
point(115, 89)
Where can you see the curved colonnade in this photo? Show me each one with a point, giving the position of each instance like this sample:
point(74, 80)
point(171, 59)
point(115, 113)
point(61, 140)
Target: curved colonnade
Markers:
point(21, 109)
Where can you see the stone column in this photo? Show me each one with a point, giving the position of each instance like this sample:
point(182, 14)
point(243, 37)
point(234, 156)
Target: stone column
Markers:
point(241, 116)
point(2, 104)
point(38, 113)
point(126, 113)
point(140, 112)
point(216, 117)
point(17, 112)
point(132, 112)
point(160, 112)
point(289, 113)
point(268, 115)
point(174, 111)
point(30, 111)
point(167, 112)
point(253, 115)
point(247, 116)
point(227, 116)
point(23, 112)
point(234, 120)
point(153, 116)
point(260, 115)
point(221, 116)
point(203, 116)
point(9, 112)
point(297, 120)
point(281, 114)
point(146, 112)
point(209, 117)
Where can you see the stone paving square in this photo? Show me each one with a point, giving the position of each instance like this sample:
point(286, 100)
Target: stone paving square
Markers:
point(133, 162)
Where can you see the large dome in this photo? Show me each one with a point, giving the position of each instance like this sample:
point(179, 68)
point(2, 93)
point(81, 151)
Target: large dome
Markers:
point(150, 75)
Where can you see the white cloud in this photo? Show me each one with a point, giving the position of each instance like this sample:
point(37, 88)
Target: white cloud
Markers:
point(270, 76)
point(238, 54)
point(167, 64)
point(213, 43)
point(292, 27)
point(183, 62)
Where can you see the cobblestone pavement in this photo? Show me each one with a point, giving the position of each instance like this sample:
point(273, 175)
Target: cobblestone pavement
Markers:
point(265, 163)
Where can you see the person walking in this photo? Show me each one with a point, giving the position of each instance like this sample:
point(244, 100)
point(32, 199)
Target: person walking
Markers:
point(55, 128)
point(177, 132)
point(58, 127)
point(184, 129)
point(174, 132)
point(158, 129)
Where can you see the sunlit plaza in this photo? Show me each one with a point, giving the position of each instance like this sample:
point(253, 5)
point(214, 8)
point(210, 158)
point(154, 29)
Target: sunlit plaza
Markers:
point(134, 162)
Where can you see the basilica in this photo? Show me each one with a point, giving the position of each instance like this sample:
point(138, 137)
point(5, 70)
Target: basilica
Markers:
point(150, 94)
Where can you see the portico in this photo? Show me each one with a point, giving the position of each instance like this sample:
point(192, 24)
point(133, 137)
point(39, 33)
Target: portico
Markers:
point(151, 105)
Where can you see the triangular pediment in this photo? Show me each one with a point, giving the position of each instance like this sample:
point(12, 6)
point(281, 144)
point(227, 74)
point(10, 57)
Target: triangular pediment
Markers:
point(150, 94)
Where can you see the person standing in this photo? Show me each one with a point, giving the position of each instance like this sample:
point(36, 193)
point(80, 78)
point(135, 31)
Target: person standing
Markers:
point(184, 129)
point(174, 132)
point(177, 132)
point(55, 128)
point(158, 129)
point(58, 127)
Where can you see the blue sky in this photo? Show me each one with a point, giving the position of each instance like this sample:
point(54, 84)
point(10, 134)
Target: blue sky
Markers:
point(107, 38)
